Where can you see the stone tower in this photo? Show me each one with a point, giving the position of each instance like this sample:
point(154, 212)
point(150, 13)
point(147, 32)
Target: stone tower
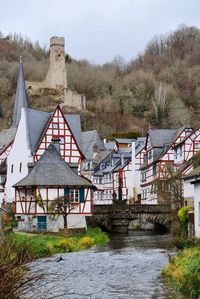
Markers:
point(56, 76)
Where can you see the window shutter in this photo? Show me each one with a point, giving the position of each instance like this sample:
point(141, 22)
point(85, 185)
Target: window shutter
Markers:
point(81, 195)
point(66, 191)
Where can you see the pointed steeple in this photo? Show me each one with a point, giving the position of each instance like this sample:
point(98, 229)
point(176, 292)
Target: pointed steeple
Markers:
point(21, 98)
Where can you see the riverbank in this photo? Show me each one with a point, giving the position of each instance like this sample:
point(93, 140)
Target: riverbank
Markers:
point(46, 245)
point(183, 271)
point(18, 249)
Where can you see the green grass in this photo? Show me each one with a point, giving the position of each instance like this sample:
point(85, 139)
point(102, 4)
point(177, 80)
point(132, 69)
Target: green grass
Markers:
point(45, 245)
point(183, 271)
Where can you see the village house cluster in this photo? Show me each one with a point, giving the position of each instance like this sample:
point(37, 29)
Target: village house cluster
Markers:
point(46, 156)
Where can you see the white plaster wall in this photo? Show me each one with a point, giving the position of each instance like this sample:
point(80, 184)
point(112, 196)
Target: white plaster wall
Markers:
point(197, 209)
point(20, 153)
point(188, 190)
point(53, 223)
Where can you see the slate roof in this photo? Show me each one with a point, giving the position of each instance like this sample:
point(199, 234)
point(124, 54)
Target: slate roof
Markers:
point(6, 137)
point(110, 145)
point(161, 137)
point(21, 98)
point(140, 144)
point(89, 139)
point(51, 170)
point(36, 123)
point(74, 122)
point(101, 156)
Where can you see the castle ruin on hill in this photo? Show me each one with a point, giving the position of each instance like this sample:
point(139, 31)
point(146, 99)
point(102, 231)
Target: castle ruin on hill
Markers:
point(56, 77)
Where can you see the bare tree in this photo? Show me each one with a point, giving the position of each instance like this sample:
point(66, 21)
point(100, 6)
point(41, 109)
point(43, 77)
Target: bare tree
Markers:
point(160, 104)
point(62, 206)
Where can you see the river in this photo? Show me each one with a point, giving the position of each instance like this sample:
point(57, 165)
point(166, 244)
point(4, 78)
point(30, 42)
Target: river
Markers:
point(127, 267)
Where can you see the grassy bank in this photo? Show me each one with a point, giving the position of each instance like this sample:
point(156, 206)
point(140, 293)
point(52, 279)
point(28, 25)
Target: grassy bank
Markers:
point(45, 245)
point(183, 271)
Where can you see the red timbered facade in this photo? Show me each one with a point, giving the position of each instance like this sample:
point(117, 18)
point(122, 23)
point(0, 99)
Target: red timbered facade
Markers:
point(58, 128)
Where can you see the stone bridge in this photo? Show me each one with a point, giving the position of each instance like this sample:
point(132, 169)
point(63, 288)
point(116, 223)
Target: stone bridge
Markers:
point(116, 217)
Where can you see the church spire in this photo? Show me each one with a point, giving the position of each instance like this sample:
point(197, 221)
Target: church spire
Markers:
point(21, 98)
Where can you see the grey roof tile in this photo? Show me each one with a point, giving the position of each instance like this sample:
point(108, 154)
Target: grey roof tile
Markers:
point(161, 137)
point(52, 170)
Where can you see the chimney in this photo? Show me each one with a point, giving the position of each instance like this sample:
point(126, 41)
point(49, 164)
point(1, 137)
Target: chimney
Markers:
point(56, 142)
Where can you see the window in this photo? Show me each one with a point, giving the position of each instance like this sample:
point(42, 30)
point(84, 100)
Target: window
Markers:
point(12, 166)
point(74, 195)
point(149, 154)
point(62, 139)
point(20, 167)
point(175, 153)
point(196, 146)
point(143, 176)
point(55, 126)
point(181, 150)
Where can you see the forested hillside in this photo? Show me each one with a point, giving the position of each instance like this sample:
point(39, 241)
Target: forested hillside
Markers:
point(160, 88)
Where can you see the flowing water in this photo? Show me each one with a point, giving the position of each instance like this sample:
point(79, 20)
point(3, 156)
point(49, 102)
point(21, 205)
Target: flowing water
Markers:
point(127, 267)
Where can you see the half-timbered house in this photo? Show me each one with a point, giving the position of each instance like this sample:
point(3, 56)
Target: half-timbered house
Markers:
point(158, 158)
point(50, 179)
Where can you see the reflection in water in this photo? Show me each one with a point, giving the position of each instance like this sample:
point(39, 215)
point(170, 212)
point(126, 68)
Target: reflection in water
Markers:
point(127, 267)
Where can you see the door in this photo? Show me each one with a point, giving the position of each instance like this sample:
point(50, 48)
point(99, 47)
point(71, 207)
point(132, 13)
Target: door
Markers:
point(41, 222)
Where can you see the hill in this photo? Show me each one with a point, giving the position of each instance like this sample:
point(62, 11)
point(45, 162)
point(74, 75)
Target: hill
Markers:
point(160, 88)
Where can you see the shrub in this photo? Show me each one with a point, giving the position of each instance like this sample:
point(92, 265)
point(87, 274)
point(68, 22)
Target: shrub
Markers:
point(13, 258)
point(183, 213)
point(67, 245)
point(86, 242)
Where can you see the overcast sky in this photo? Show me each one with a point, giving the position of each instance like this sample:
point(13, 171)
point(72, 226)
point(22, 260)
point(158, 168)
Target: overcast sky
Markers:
point(97, 29)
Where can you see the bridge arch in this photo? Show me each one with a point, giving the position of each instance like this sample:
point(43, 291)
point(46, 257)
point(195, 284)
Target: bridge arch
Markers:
point(116, 218)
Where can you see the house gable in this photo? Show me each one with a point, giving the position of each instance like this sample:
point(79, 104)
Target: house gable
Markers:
point(59, 128)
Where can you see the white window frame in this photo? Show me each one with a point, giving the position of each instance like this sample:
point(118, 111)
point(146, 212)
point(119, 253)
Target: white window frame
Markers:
point(74, 195)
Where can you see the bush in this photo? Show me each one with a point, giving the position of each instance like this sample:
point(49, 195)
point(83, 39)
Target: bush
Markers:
point(183, 213)
point(86, 242)
point(13, 258)
point(67, 245)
